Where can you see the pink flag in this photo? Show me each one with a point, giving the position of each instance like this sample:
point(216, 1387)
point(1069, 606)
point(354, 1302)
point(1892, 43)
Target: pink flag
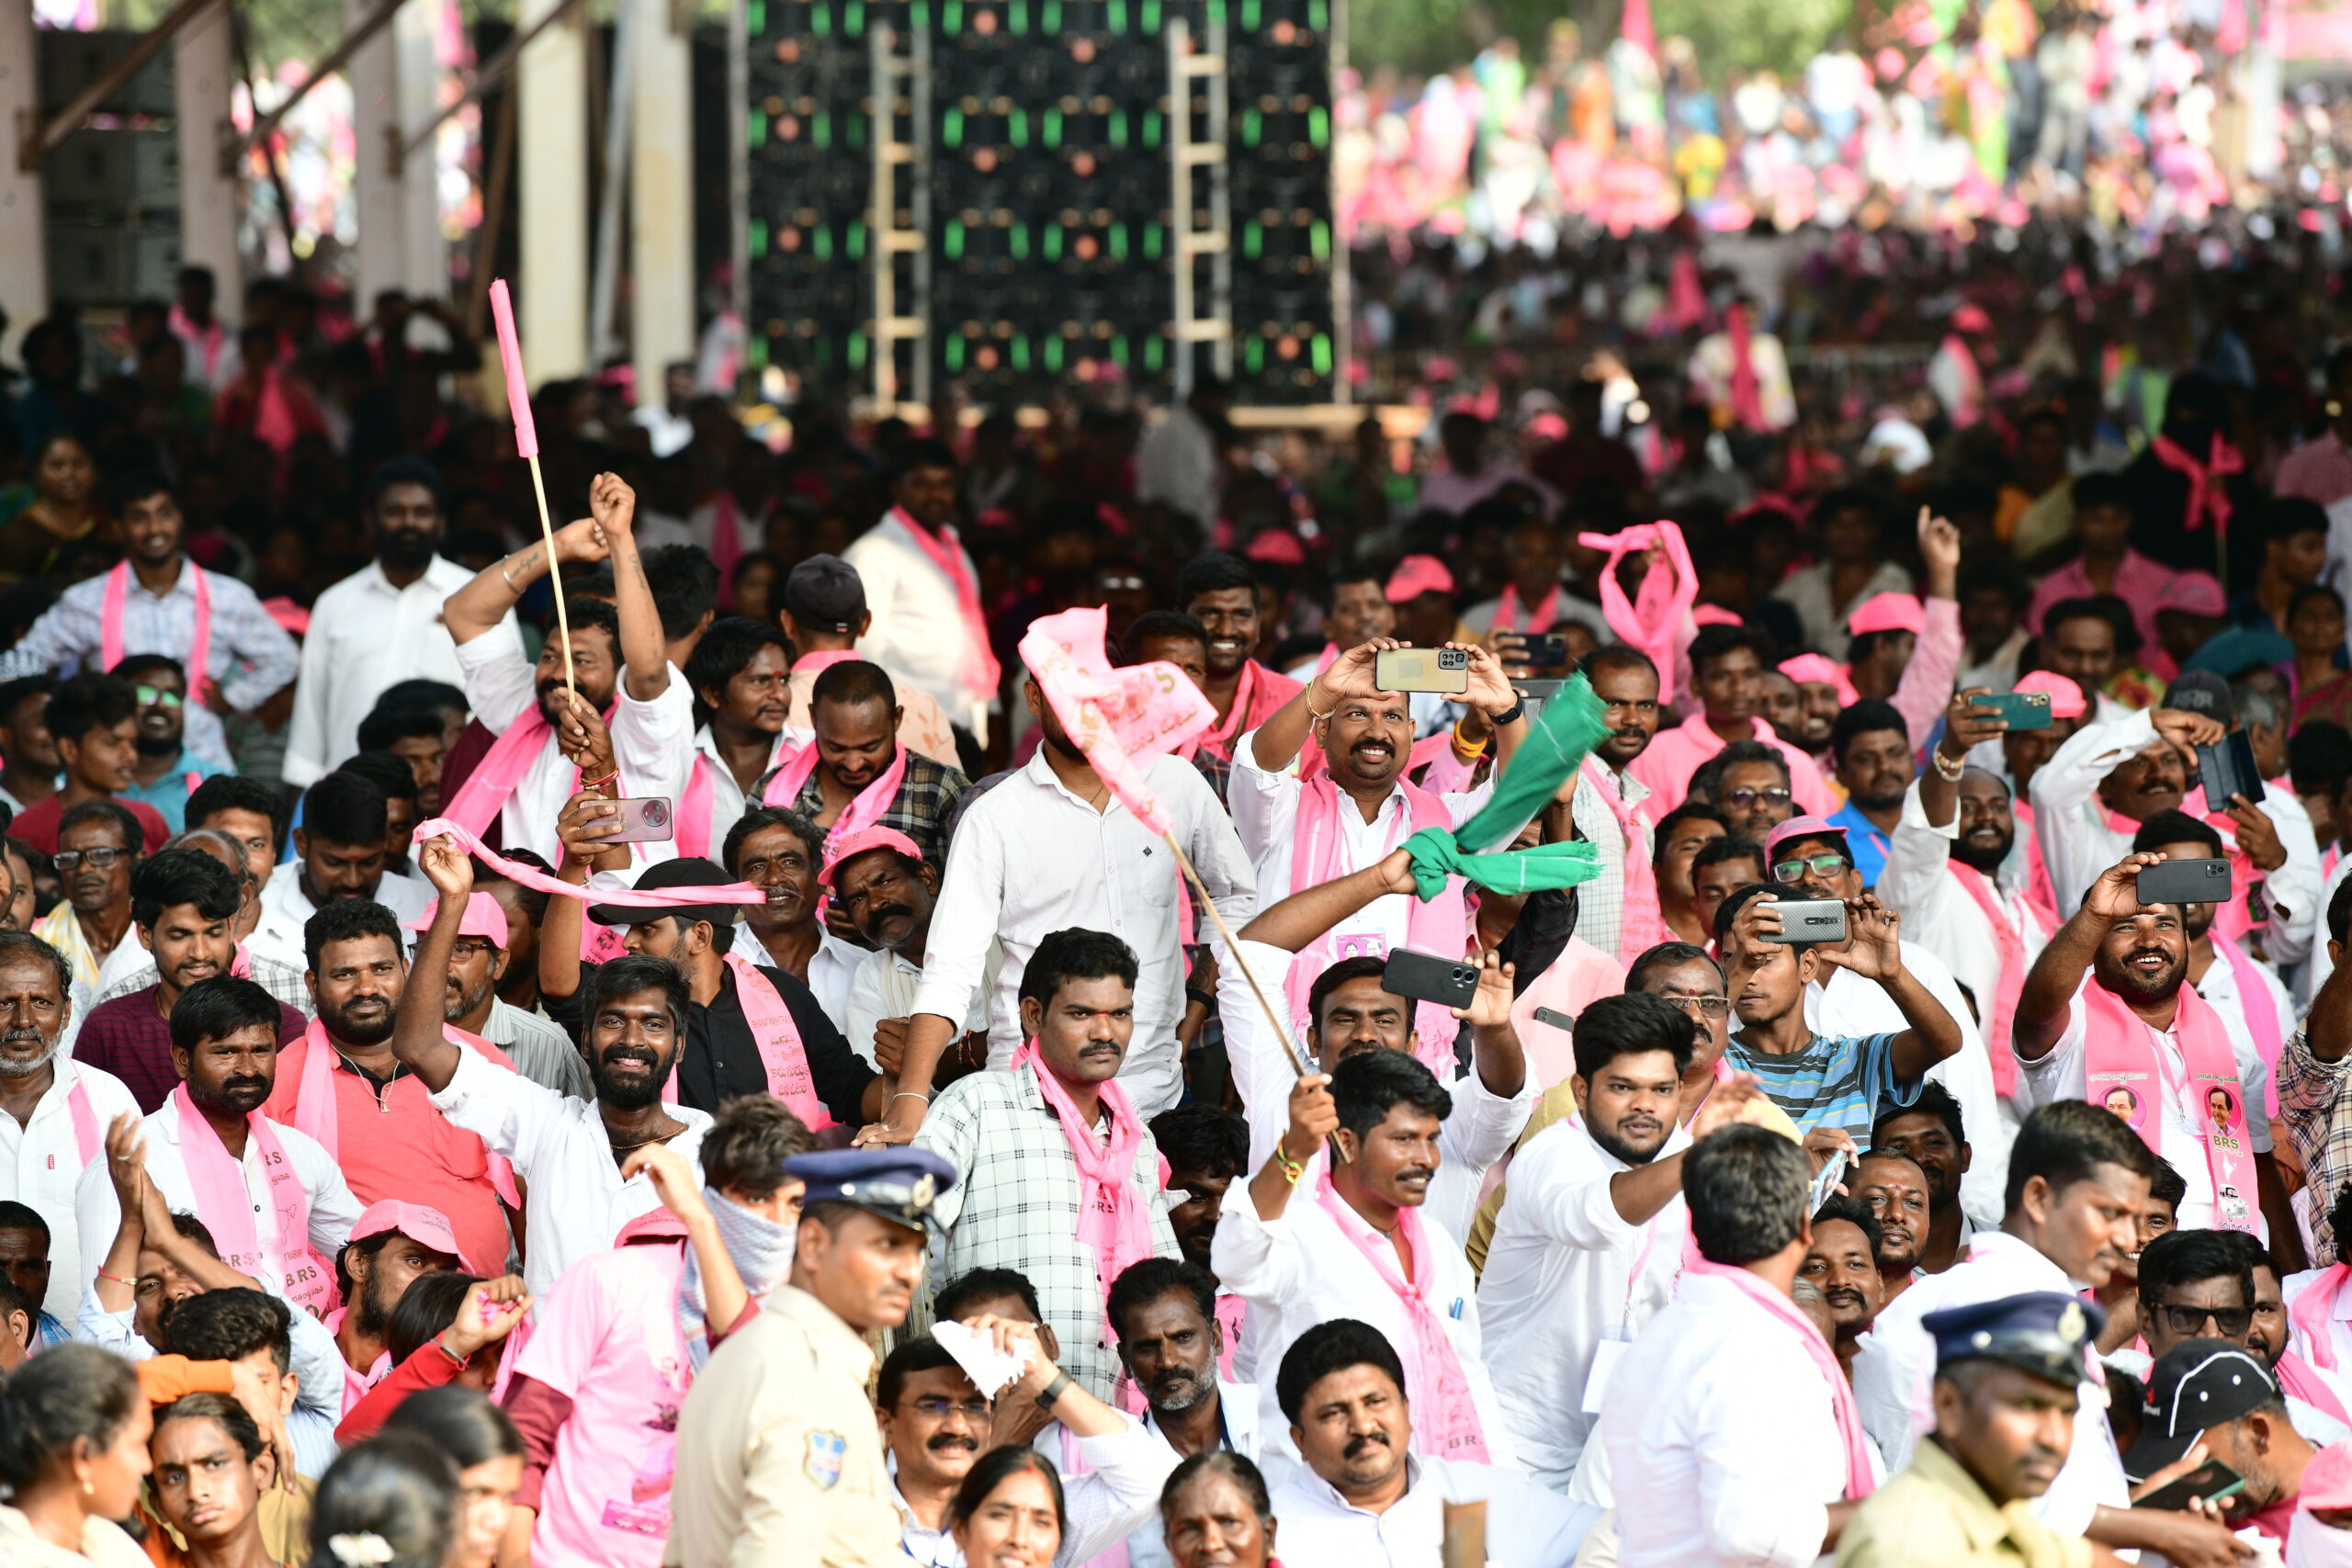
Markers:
point(510, 355)
point(1118, 718)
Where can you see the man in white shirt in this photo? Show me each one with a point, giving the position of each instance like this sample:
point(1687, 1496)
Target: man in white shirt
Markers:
point(53, 1113)
point(1731, 1439)
point(339, 853)
point(888, 891)
point(1177, 462)
point(1369, 1495)
point(1164, 1314)
point(1051, 847)
point(2078, 1179)
point(736, 672)
point(923, 592)
point(380, 625)
point(1309, 1239)
point(1588, 1245)
point(225, 1045)
point(521, 783)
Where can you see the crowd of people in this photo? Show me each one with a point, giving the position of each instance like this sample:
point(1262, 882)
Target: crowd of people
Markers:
point(1818, 1029)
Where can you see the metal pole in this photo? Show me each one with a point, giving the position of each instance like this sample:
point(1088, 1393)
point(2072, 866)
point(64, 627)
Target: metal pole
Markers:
point(1343, 344)
point(918, 201)
point(1180, 202)
point(603, 341)
point(885, 121)
point(1221, 196)
point(739, 160)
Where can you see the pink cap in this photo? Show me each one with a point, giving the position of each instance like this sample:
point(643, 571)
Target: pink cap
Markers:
point(1811, 667)
point(2327, 1480)
point(1276, 547)
point(1416, 575)
point(1803, 827)
point(1715, 615)
point(1970, 319)
point(428, 1227)
point(1887, 612)
point(867, 839)
point(485, 917)
point(290, 616)
point(2066, 697)
point(2194, 593)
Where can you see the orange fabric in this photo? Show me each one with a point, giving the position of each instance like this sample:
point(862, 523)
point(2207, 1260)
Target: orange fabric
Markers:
point(163, 1378)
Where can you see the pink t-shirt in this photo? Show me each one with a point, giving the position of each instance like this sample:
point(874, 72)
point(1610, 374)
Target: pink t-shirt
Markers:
point(607, 1339)
point(1667, 763)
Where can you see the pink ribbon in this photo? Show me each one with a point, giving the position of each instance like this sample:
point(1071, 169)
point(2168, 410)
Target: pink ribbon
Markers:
point(1653, 622)
point(2207, 495)
point(1746, 396)
point(510, 357)
point(622, 897)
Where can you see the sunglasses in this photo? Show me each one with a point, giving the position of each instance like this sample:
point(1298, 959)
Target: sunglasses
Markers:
point(149, 696)
point(1820, 865)
point(100, 859)
point(1750, 799)
point(2230, 1322)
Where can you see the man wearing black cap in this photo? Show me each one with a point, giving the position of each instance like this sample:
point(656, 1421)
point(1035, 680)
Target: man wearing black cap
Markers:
point(824, 614)
point(2006, 1390)
point(780, 1458)
point(2221, 1395)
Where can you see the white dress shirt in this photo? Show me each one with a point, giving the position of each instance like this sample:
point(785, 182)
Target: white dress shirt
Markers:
point(41, 1162)
point(651, 742)
point(334, 1211)
point(286, 909)
point(1301, 1269)
point(365, 636)
point(1526, 1526)
point(917, 632)
point(1846, 1004)
point(2061, 1074)
point(249, 657)
point(1721, 1438)
point(1029, 857)
point(1564, 1272)
point(727, 802)
point(1238, 1415)
point(540, 1049)
point(1475, 1136)
point(576, 1201)
point(885, 986)
point(1891, 1386)
point(832, 971)
point(1940, 916)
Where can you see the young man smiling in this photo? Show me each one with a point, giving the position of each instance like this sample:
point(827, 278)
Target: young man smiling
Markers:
point(94, 720)
point(1727, 664)
point(1221, 592)
point(737, 670)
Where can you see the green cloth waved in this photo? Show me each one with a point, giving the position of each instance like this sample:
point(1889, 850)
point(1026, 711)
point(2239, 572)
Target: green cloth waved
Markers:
point(1571, 724)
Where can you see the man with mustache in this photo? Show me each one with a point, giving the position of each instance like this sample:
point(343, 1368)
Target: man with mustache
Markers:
point(933, 1422)
point(344, 1086)
point(2213, 1397)
point(822, 611)
point(2140, 1025)
point(1618, 911)
point(566, 1153)
point(1585, 1247)
point(1895, 1189)
point(182, 904)
point(737, 670)
point(274, 1201)
point(340, 855)
point(1062, 1175)
point(1931, 1132)
point(164, 771)
point(882, 883)
point(53, 1108)
point(394, 1245)
point(861, 776)
point(1164, 1313)
point(95, 722)
point(782, 852)
point(1221, 593)
point(1680, 834)
point(2006, 1405)
point(28, 760)
point(380, 625)
point(2124, 769)
point(539, 1050)
point(1727, 664)
point(1355, 610)
point(1843, 1262)
point(98, 849)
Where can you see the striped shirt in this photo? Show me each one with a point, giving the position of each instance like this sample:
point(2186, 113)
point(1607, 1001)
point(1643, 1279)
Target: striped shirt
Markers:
point(1837, 1081)
point(250, 654)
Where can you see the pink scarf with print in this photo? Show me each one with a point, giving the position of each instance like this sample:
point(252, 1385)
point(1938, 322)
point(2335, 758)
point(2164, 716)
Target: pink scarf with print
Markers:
point(783, 1057)
point(226, 1209)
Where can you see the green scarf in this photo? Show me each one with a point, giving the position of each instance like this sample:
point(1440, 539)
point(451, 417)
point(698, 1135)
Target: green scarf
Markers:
point(1571, 724)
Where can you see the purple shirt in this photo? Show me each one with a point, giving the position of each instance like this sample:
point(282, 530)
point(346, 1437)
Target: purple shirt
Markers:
point(126, 1038)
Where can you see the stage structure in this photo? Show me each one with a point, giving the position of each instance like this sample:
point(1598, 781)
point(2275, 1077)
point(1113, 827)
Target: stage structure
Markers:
point(1010, 195)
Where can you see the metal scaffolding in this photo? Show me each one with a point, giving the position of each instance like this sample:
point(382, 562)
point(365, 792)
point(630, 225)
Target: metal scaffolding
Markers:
point(1187, 152)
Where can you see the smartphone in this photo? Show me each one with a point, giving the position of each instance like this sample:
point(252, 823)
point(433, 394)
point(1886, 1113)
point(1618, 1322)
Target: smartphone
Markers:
point(2024, 710)
point(2183, 882)
point(1425, 978)
point(1422, 669)
point(1559, 1020)
point(2227, 770)
point(2212, 1481)
point(1545, 650)
point(1808, 920)
point(643, 820)
point(1824, 1185)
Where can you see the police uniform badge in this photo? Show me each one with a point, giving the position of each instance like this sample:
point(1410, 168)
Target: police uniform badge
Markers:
point(824, 1461)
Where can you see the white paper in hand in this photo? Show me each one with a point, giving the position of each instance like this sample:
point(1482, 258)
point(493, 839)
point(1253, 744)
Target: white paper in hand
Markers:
point(991, 1370)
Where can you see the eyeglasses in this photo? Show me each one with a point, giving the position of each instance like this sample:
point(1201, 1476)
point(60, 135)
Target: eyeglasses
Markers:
point(1820, 865)
point(939, 1408)
point(150, 696)
point(1750, 799)
point(102, 859)
point(466, 952)
point(1705, 1006)
point(2230, 1322)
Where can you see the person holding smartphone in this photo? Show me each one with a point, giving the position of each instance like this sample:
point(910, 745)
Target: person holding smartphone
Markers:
point(2215, 1428)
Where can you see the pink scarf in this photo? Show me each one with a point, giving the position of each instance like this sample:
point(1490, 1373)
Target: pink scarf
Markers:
point(111, 618)
point(2208, 493)
point(695, 823)
point(1219, 741)
point(1644, 926)
point(1114, 1220)
point(982, 675)
point(817, 663)
point(1659, 621)
point(1445, 1418)
point(1841, 1398)
point(1546, 615)
point(1441, 926)
point(863, 810)
point(2009, 985)
point(2313, 1311)
point(226, 1209)
point(211, 336)
point(501, 770)
point(316, 1112)
point(2261, 1017)
point(783, 1057)
point(88, 1141)
point(2117, 1055)
point(2039, 892)
point(1746, 396)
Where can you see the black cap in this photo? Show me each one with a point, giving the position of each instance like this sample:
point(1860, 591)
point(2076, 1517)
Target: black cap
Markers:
point(2041, 1332)
point(687, 870)
point(825, 593)
point(2202, 693)
point(899, 1183)
point(2195, 1386)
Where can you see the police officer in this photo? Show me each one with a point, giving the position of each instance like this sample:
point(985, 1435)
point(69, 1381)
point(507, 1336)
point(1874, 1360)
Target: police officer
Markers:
point(2006, 1372)
point(779, 1461)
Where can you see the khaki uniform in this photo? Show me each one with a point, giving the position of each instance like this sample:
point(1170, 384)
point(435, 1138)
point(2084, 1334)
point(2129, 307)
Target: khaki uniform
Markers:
point(779, 1459)
point(1934, 1514)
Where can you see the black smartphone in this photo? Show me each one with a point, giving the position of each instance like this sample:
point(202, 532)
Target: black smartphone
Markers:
point(1545, 650)
point(1808, 920)
point(1425, 978)
point(2212, 1481)
point(2227, 770)
point(2183, 882)
point(1422, 669)
point(1559, 1020)
point(2024, 710)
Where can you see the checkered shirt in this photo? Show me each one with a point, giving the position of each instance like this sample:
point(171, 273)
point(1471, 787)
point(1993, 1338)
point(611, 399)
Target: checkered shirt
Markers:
point(2319, 1121)
point(926, 799)
point(280, 980)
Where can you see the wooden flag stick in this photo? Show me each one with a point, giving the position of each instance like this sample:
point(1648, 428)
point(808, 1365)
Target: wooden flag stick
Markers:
point(555, 575)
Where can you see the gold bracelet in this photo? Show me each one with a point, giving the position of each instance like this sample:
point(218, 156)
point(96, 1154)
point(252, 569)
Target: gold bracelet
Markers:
point(1308, 696)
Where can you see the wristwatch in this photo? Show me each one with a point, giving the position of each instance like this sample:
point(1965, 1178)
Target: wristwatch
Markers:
point(1052, 1391)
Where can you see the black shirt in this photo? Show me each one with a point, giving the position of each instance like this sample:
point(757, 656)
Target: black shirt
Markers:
point(722, 1060)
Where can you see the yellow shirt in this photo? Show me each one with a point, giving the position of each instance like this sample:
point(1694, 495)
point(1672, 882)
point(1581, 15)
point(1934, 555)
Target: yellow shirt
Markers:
point(1934, 1514)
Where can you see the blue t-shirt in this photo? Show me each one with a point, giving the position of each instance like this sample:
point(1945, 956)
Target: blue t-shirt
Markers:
point(1864, 840)
point(168, 795)
point(1836, 1082)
